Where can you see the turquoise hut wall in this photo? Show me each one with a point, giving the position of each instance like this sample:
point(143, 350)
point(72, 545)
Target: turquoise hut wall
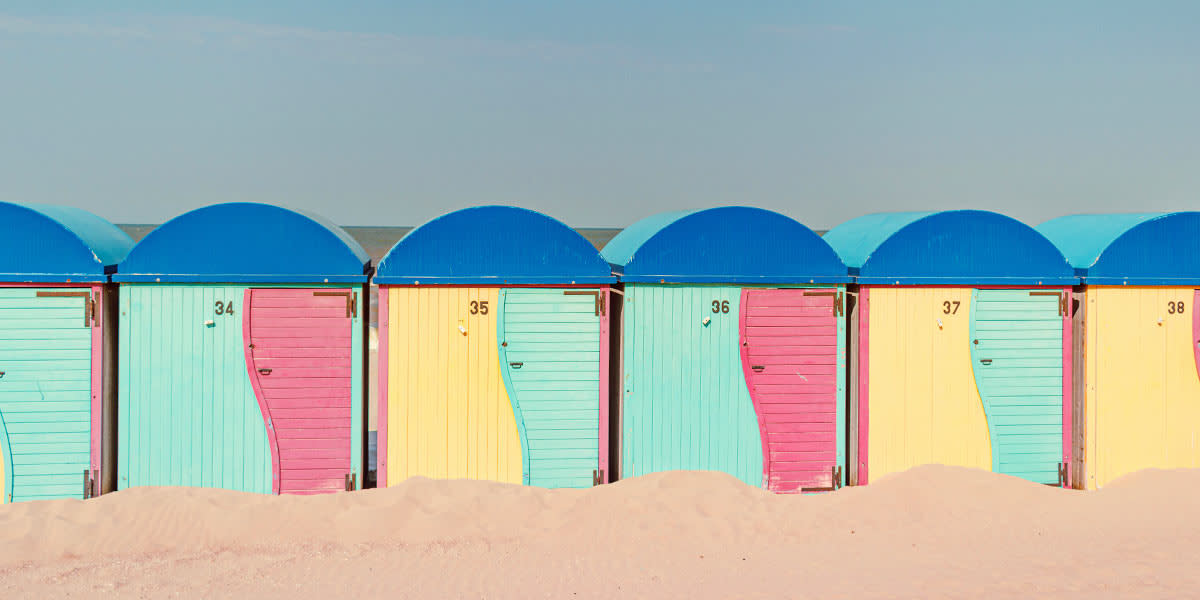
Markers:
point(686, 405)
point(188, 415)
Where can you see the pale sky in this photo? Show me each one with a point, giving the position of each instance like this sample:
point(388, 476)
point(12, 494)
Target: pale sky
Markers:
point(385, 113)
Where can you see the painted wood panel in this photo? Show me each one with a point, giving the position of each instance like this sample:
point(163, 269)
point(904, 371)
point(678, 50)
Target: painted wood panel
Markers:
point(685, 402)
point(448, 414)
point(187, 415)
point(923, 401)
point(550, 357)
point(1017, 352)
point(790, 351)
point(1142, 405)
point(46, 361)
point(299, 359)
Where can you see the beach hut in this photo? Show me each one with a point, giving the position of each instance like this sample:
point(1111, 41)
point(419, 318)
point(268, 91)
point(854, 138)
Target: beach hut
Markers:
point(242, 344)
point(1139, 345)
point(963, 345)
point(55, 329)
point(733, 350)
point(493, 326)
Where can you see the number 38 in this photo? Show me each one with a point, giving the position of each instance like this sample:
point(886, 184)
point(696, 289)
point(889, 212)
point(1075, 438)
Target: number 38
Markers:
point(1175, 308)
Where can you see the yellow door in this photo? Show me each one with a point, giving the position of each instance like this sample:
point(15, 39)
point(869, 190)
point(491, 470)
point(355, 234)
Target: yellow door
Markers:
point(448, 414)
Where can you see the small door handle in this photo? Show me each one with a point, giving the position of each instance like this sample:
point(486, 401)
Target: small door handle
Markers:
point(265, 371)
point(986, 361)
point(757, 368)
point(516, 365)
point(2, 373)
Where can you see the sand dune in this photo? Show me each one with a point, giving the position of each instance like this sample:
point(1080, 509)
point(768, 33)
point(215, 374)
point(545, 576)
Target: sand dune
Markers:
point(930, 532)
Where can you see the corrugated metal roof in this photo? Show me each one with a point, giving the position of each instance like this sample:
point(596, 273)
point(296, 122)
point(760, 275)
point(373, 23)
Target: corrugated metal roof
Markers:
point(43, 243)
point(1131, 248)
point(730, 244)
point(493, 245)
point(246, 242)
point(960, 247)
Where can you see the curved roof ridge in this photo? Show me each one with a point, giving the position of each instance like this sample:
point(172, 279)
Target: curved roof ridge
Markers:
point(1131, 248)
point(725, 244)
point(58, 243)
point(493, 245)
point(955, 247)
point(239, 242)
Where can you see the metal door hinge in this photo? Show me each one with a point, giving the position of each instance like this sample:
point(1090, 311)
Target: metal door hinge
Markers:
point(89, 304)
point(598, 297)
point(351, 482)
point(351, 301)
point(89, 484)
point(597, 477)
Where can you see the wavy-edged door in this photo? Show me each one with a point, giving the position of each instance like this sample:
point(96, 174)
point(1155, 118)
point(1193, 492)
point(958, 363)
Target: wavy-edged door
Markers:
point(790, 356)
point(1017, 355)
point(299, 354)
point(46, 339)
point(552, 361)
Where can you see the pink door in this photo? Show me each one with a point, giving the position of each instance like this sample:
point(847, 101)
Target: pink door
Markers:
point(299, 356)
point(789, 354)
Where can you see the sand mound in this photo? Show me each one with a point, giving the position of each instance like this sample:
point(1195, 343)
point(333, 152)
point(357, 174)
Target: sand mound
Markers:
point(932, 531)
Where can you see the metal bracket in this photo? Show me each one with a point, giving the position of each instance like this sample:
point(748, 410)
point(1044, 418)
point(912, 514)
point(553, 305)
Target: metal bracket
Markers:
point(89, 484)
point(597, 477)
point(839, 301)
point(1063, 301)
point(835, 484)
point(351, 482)
point(89, 305)
point(351, 301)
point(598, 296)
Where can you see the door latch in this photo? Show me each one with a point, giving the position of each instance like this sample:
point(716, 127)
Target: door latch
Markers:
point(265, 371)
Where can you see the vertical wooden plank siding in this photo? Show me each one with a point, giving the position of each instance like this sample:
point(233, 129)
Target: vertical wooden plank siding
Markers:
point(1068, 385)
point(1017, 352)
point(864, 387)
point(1142, 389)
point(46, 354)
point(299, 359)
point(604, 374)
point(549, 349)
point(188, 415)
point(790, 359)
point(448, 413)
point(686, 405)
point(383, 367)
point(924, 404)
point(97, 404)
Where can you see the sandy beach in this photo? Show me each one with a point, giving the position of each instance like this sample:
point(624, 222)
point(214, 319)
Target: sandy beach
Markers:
point(930, 532)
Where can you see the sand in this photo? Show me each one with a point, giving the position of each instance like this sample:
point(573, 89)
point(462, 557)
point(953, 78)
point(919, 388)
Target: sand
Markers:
point(930, 532)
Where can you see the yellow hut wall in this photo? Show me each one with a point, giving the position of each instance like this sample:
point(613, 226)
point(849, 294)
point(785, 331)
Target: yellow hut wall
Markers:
point(924, 404)
point(448, 412)
point(1142, 392)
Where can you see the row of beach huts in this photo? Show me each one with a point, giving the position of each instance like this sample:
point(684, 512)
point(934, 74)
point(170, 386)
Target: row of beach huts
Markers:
point(229, 348)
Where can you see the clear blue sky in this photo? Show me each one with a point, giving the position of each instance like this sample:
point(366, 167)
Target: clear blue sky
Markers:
point(394, 112)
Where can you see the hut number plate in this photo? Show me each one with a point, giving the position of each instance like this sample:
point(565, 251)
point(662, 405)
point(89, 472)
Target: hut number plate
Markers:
point(1175, 308)
point(223, 308)
point(950, 307)
point(479, 308)
point(720, 306)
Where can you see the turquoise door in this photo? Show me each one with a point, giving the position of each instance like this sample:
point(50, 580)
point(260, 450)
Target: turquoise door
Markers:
point(45, 392)
point(187, 414)
point(550, 357)
point(685, 404)
point(1017, 355)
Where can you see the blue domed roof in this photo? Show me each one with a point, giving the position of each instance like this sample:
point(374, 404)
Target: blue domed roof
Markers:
point(1130, 249)
point(43, 243)
point(246, 242)
point(959, 247)
point(730, 244)
point(493, 245)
